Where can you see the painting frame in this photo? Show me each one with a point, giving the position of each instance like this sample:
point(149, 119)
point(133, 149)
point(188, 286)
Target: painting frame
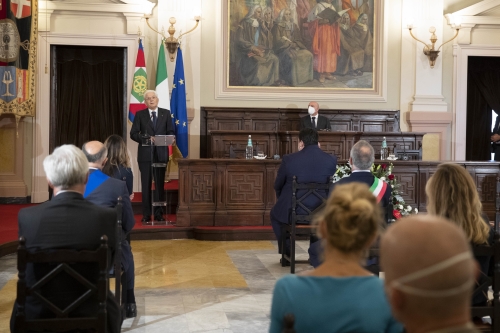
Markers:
point(377, 94)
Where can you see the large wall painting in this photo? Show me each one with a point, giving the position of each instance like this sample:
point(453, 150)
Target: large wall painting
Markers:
point(302, 44)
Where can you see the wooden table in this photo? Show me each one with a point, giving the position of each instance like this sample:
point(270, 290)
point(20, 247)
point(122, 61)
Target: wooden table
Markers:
point(238, 192)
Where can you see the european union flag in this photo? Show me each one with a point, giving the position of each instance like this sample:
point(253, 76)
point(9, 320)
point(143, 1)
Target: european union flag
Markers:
point(178, 106)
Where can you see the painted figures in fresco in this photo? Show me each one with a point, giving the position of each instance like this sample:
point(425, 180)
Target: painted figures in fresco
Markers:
point(295, 61)
point(301, 43)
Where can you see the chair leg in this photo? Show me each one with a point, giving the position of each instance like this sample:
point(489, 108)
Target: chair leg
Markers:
point(283, 245)
point(292, 252)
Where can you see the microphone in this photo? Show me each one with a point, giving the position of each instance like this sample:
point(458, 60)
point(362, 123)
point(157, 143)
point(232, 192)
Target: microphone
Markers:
point(404, 157)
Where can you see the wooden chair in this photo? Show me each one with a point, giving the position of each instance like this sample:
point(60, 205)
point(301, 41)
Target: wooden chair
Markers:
point(288, 324)
point(301, 223)
point(492, 310)
point(63, 260)
point(117, 260)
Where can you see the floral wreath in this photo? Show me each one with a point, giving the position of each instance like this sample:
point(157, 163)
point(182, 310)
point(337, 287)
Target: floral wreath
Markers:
point(383, 172)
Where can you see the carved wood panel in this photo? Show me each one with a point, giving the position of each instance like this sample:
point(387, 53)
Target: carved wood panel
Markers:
point(245, 188)
point(202, 185)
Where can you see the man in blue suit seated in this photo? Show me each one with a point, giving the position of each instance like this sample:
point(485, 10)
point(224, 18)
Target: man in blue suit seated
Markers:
point(103, 190)
point(311, 165)
point(361, 161)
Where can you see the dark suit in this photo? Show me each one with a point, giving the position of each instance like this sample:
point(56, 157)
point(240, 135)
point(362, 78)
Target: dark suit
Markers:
point(67, 221)
point(106, 194)
point(495, 146)
point(366, 177)
point(310, 165)
point(143, 125)
point(322, 123)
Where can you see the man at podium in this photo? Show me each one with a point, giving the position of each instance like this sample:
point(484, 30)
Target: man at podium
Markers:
point(148, 123)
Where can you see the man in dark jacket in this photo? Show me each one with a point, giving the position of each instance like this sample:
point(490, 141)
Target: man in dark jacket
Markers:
point(147, 123)
point(310, 165)
point(103, 190)
point(71, 222)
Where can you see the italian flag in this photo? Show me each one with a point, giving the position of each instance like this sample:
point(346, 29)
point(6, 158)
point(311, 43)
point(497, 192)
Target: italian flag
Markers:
point(378, 188)
point(139, 85)
point(162, 83)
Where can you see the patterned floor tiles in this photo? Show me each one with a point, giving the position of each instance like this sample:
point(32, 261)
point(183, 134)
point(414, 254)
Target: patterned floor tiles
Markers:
point(191, 286)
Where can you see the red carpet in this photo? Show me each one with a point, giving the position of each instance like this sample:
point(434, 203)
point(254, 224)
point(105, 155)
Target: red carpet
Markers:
point(172, 185)
point(8, 224)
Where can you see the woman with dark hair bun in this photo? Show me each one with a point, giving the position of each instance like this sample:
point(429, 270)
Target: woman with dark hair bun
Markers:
point(340, 295)
point(118, 163)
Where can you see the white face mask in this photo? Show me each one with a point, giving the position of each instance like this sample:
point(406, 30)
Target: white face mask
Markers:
point(400, 282)
point(311, 110)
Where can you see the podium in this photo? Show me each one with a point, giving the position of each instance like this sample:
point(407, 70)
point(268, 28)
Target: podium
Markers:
point(159, 158)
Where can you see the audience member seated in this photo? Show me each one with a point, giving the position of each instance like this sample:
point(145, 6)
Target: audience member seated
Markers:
point(361, 160)
point(339, 295)
point(104, 191)
point(311, 165)
point(451, 193)
point(71, 222)
point(118, 162)
point(429, 274)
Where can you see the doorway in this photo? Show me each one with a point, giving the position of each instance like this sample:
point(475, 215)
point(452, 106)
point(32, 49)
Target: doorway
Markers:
point(483, 103)
point(88, 98)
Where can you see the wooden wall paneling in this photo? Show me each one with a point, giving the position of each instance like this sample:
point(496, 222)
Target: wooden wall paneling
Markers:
point(408, 175)
point(287, 119)
point(221, 217)
point(271, 172)
point(245, 195)
point(426, 170)
point(200, 194)
point(241, 192)
point(484, 175)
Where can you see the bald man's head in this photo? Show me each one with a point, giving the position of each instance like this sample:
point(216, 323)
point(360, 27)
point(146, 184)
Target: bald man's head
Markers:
point(424, 244)
point(96, 153)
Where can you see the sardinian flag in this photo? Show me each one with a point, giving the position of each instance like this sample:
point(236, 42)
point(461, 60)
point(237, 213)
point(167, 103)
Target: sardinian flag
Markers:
point(378, 188)
point(20, 8)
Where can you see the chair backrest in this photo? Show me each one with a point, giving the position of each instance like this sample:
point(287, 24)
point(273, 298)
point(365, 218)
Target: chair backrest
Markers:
point(57, 262)
point(308, 199)
point(288, 324)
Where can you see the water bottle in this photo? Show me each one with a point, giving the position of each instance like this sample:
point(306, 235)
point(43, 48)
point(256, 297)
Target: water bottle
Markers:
point(384, 151)
point(249, 150)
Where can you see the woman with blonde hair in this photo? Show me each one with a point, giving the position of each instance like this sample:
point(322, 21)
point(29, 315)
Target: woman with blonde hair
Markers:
point(340, 295)
point(451, 193)
point(118, 162)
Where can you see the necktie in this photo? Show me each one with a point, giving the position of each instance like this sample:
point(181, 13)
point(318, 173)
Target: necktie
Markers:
point(313, 121)
point(154, 118)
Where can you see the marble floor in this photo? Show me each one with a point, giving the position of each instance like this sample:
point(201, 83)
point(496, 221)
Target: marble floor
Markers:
point(191, 286)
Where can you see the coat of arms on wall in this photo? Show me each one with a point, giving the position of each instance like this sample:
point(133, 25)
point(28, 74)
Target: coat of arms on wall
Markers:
point(302, 43)
point(18, 44)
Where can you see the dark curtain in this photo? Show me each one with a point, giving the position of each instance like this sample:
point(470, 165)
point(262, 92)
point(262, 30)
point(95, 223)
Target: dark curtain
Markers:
point(483, 95)
point(89, 94)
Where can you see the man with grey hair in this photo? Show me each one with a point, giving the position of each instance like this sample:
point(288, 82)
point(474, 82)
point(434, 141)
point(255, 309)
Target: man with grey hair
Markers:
point(429, 274)
point(66, 221)
point(104, 191)
point(361, 161)
point(147, 123)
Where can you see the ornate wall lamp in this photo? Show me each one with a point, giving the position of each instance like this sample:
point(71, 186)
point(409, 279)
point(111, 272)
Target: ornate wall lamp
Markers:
point(429, 49)
point(171, 42)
